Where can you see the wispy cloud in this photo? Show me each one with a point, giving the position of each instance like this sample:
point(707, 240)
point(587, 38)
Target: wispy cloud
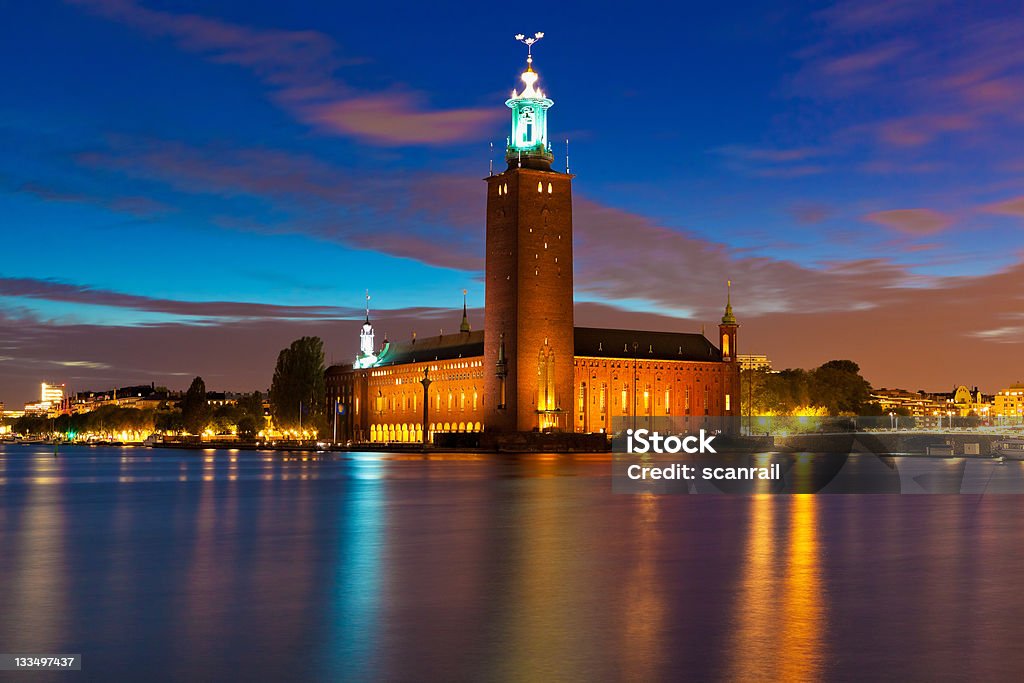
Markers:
point(1009, 207)
point(301, 69)
point(911, 221)
point(206, 311)
point(774, 162)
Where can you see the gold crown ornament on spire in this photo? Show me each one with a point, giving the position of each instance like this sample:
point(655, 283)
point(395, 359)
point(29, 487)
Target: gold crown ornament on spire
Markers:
point(529, 76)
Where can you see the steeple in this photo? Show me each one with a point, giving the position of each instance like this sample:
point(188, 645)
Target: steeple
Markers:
point(728, 318)
point(366, 356)
point(528, 145)
point(464, 327)
point(728, 328)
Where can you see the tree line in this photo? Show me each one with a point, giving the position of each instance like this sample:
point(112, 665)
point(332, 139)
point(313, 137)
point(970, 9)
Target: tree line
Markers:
point(297, 398)
point(834, 388)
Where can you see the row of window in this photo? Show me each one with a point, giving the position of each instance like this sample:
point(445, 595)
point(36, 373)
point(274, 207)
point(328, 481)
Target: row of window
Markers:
point(459, 399)
point(503, 188)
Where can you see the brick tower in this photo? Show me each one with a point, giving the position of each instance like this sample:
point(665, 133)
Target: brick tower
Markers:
point(528, 347)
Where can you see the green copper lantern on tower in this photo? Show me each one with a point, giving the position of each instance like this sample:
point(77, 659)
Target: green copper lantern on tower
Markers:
point(528, 144)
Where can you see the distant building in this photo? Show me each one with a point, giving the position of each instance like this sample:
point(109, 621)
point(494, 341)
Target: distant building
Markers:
point(754, 361)
point(52, 393)
point(931, 407)
point(1010, 402)
point(970, 402)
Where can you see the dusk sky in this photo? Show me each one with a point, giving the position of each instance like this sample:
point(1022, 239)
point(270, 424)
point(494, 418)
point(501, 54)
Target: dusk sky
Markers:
point(185, 187)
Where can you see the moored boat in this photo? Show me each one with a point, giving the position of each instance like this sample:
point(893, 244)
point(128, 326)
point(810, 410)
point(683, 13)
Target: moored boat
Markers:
point(1010, 447)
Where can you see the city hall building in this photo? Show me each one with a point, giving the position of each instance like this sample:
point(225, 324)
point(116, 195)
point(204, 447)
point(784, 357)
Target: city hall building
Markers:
point(532, 369)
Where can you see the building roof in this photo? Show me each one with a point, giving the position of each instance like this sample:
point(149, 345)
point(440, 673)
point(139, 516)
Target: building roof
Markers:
point(444, 347)
point(589, 341)
point(606, 343)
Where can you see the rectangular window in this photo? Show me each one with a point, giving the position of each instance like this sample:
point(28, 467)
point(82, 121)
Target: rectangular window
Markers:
point(728, 402)
point(647, 398)
point(687, 398)
point(582, 397)
point(604, 389)
point(624, 398)
point(667, 404)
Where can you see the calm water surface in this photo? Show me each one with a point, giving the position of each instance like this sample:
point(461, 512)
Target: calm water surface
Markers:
point(169, 565)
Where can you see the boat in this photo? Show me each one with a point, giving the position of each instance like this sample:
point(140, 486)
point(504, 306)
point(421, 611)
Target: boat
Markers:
point(1010, 447)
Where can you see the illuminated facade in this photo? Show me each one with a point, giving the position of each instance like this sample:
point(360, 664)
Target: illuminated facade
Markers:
point(1010, 402)
point(754, 361)
point(533, 369)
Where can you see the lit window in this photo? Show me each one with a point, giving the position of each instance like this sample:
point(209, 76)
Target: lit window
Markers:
point(540, 187)
point(728, 401)
point(505, 188)
point(549, 188)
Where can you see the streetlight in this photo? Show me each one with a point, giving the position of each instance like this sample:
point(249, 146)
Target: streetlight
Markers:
point(426, 382)
point(635, 345)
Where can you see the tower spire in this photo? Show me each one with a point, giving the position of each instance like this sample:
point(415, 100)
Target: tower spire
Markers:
point(528, 145)
point(728, 318)
point(367, 307)
point(465, 317)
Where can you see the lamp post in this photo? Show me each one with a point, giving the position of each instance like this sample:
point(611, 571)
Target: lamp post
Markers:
point(426, 382)
point(635, 346)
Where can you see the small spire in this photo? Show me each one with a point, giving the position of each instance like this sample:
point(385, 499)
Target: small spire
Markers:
point(367, 307)
point(465, 317)
point(728, 318)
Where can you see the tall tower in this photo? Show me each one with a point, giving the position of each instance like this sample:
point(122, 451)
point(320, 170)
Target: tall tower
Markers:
point(528, 347)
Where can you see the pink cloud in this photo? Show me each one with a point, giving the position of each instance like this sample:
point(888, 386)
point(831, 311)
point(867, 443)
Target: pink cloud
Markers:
point(914, 131)
point(397, 119)
point(301, 68)
point(810, 214)
point(1009, 207)
point(911, 221)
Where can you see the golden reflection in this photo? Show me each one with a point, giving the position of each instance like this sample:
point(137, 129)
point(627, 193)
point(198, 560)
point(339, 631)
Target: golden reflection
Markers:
point(803, 603)
point(39, 585)
point(644, 604)
point(755, 645)
point(780, 610)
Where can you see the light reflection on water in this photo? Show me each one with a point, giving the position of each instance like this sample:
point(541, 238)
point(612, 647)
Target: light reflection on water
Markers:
point(153, 564)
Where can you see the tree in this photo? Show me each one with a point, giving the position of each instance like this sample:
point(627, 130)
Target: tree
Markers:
point(250, 421)
point(838, 387)
point(195, 411)
point(297, 392)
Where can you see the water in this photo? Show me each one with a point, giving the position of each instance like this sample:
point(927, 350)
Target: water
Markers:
point(167, 565)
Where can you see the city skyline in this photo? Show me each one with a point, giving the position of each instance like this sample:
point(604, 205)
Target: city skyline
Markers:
point(247, 175)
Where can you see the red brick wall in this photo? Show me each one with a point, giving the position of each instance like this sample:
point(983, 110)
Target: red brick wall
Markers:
point(529, 291)
point(614, 375)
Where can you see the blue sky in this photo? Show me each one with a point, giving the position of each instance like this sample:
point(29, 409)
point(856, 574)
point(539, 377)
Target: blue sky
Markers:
point(846, 165)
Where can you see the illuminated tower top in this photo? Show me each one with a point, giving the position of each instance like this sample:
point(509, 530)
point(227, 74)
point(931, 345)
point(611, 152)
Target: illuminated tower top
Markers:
point(366, 356)
point(528, 146)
